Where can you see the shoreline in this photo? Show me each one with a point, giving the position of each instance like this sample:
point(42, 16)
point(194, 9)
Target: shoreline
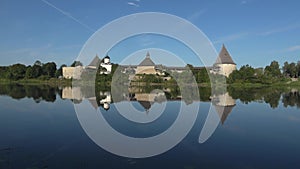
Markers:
point(68, 82)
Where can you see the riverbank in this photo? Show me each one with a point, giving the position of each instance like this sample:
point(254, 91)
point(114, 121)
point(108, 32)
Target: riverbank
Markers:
point(295, 84)
point(50, 82)
point(68, 82)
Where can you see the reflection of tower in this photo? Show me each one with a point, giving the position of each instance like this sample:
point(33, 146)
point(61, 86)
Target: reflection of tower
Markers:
point(106, 100)
point(223, 104)
point(72, 93)
point(147, 99)
point(93, 102)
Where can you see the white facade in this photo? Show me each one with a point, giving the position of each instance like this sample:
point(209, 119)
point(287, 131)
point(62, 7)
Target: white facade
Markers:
point(224, 69)
point(106, 60)
point(107, 67)
point(72, 72)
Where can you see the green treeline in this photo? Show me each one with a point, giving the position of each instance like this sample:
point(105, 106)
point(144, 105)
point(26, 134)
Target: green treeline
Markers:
point(39, 70)
point(271, 74)
point(268, 75)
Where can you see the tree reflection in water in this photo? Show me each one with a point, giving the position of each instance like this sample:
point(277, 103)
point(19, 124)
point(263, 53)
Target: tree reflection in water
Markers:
point(268, 95)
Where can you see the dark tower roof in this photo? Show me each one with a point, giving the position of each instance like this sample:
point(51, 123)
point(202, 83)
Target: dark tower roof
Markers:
point(145, 104)
point(223, 111)
point(147, 61)
point(106, 57)
point(95, 61)
point(224, 57)
point(93, 102)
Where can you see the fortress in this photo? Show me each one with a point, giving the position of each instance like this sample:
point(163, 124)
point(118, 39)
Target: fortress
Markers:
point(224, 65)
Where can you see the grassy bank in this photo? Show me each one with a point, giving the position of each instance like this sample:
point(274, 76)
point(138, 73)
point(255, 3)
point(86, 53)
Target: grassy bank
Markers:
point(277, 84)
point(51, 82)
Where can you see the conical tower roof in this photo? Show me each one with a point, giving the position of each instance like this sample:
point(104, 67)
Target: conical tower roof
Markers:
point(147, 61)
point(224, 57)
point(223, 112)
point(95, 62)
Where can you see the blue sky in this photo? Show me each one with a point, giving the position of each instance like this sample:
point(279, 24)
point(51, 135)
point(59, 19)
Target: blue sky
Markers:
point(254, 31)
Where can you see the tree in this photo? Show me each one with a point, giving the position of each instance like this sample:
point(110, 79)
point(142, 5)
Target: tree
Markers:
point(59, 71)
point(286, 69)
point(49, 69)
point(29, 73)
point(291, 69)
point(76, 63)
point(36, 71)
point(3, 71)
point(202, 76)
point(273, 70)
point(38, 63)
point(17, 71)
point(245, 74)
point(298, 69)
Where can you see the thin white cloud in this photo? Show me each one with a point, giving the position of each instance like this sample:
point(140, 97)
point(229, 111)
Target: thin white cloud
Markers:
point(133, 4)
point(280, 30)
point(293, 48)
point(68, 15)
point(196, 15)
point(244, 2)
point(231, 37)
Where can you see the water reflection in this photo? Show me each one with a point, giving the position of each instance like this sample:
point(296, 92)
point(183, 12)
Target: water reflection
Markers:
point(223, 104)
point(291, 98)
point(36, 92)
point(269, 95)
point(147, 96)
point(52, 137)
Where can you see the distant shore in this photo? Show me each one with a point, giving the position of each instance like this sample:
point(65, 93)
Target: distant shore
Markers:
point(68, 82)
point(50, 82)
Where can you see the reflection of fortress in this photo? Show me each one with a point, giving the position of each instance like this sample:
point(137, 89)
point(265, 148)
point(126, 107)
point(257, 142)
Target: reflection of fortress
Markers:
point(223, 104)
point(224, 65)
point(147, 99)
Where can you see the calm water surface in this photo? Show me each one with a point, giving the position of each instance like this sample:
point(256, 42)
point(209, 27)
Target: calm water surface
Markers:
point(259, 128)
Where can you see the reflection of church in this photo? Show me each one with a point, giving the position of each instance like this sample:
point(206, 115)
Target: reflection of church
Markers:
point(105, 100)
point(223, 104)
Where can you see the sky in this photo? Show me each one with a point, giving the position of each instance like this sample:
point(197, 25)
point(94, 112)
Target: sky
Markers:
point(255, 32)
